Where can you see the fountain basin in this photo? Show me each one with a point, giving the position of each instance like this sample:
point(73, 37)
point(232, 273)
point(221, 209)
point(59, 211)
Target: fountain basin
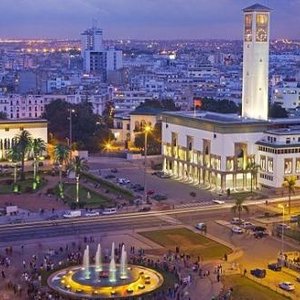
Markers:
point(72, 282)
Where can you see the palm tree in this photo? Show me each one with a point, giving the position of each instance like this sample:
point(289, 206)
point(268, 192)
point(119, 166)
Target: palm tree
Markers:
point(13, 154)
point(79, 165)
point(239, 207)
point(38, 146)
point(23, 142)
point(61, 154)
point(289, 183)
point(253, 168)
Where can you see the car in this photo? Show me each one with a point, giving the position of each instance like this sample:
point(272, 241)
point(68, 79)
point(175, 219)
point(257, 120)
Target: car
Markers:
point(282, 226)
point(92, 213)
point(109, 211)
point(274, 267)
point(123, 181)
point(247, 225)
point(258, 228)
point(160, 197)
point(161, 174)
point(260, 234)
point(110, 176)
point(237, 221)
point(287, 286)
point(216, 201)
point(145, 209)
point(150, 192)
point(259, 273)
point(237, 229)
point(53, 217)
point(201, 226)
point(114, 170)
point(295, 219)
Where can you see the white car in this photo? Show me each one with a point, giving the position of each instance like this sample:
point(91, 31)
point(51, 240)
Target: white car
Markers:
point(237, 229)
point(123, 181)
point(287, 286)
point(216, 201)
point(92, 213)
point(201, 226)
point(247, 225)
point(283, 225)
point(109, 211)
point(237, 221)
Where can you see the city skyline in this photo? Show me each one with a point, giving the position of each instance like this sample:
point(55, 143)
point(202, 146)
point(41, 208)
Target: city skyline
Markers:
point(151, 19)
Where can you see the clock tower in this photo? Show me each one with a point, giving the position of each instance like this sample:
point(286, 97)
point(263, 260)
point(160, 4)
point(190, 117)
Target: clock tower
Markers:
point(256, 62)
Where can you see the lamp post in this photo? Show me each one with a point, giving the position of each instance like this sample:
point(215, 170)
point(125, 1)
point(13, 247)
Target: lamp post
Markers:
point(282, 228)
point(147, 129)
point(71, 111)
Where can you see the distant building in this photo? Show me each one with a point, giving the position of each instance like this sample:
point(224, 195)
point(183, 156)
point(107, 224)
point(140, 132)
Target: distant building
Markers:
point(287, 94)
point(97, 59)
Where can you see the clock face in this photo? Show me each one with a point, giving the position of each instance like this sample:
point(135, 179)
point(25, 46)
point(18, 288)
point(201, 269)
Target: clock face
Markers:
point(261, 35)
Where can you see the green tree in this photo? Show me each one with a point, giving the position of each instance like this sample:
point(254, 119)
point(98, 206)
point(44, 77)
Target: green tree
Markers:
point(61, 155)
point(239, 207)
point(78, 165)
point(38, 146)
point(23, 144)
point(253, 168)
point(108, 114)
point(219, 106)
point(13, 154)
point(277, 111)
point(289, 183)
point(153, 140)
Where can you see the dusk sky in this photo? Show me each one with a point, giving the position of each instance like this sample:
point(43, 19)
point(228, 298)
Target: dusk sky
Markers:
point(141, 19)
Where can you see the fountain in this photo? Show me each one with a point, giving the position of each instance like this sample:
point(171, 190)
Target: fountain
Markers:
point(123, 267)
point(105, 280)
point(98, 259)
point(112, 265)
point(86, 263)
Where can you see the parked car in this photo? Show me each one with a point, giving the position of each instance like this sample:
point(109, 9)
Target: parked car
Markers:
point(92, 213)
point(274, 267)
point(150, 192)
point(259, 273)
point(260, 234)
point(123, 181)
point(114, 170)
point(282, 226)
point(247, 225)
point(287, 286)
point(145, 209)
point(110, 176)
point(109, 211)
point(295, 219)
point(201, 226)
point(160, 197)
point(237, 229)
point(161, 174)
point(237, 221)
point(216, 201)
point(72, 214)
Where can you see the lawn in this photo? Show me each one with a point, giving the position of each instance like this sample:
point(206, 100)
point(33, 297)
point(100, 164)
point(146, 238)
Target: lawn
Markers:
point(95, 200)
point(25, 186)
point(247, 289)
point(194, 244)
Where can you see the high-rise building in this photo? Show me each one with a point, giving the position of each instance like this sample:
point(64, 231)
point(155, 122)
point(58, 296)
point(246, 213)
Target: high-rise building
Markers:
point(256, 62)
point(96, 58)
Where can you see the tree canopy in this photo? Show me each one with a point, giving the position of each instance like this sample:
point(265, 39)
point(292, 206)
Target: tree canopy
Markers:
point(89, 131)
point(167, 104)
point(277, 111)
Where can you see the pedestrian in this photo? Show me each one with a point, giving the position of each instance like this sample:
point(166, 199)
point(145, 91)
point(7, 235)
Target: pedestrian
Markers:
point(245, 272)
point(3, 274)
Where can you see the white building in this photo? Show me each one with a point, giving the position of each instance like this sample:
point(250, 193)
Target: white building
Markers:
point(222, 151)
point(10, 128)
point(287, 94)
point(96, 58)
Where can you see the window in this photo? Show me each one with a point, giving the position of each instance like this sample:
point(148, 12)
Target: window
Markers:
point(288, 166)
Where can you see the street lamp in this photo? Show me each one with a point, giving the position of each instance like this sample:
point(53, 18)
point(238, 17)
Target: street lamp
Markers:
point(71, 111)
point(147, 129)
point(282, 228)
